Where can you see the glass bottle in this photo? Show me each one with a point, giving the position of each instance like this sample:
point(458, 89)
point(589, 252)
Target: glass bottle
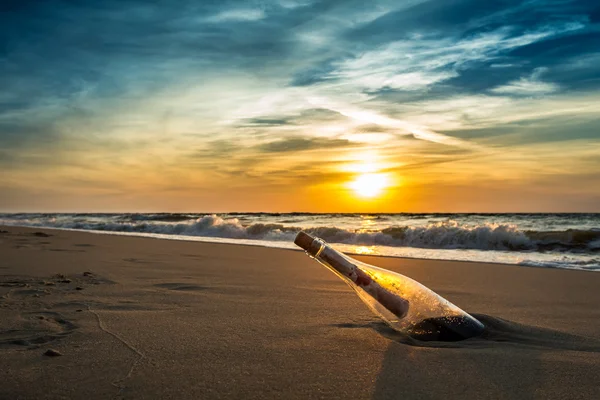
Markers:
point(403, 303)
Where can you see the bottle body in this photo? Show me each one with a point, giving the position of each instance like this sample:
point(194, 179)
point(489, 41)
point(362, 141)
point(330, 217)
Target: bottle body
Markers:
point(403, 303)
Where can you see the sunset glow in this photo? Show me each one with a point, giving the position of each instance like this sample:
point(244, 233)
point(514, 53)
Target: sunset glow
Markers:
point(294, 106)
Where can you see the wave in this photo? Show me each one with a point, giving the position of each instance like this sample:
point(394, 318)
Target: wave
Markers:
point(440, 235)
point(452, 235)
point(165, 217)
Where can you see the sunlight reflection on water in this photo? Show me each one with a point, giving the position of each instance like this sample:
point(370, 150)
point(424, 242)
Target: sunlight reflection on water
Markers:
point(367, 250)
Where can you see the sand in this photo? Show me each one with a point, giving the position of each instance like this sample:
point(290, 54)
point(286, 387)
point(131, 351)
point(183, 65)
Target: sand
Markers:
point(143, 318)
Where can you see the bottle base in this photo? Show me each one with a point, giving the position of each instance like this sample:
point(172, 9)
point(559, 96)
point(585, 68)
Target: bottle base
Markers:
point(446, 329)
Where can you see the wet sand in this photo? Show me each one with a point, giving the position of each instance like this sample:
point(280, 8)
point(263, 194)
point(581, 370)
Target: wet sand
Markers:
point(145, 318)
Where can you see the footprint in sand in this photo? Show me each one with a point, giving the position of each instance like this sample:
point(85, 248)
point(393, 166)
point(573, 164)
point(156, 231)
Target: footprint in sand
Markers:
point(184, 287)
point(19, 288)
point(32, 329)
point(68, 250)
point(41, 234)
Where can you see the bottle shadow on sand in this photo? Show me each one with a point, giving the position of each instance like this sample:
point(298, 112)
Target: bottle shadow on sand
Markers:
point(509, 360)
point(497, 330)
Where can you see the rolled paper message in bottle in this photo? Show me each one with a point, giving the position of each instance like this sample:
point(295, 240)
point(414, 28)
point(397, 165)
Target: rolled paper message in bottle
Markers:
point(403, 303)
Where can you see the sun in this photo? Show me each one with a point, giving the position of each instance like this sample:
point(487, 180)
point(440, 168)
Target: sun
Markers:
point(369, 185)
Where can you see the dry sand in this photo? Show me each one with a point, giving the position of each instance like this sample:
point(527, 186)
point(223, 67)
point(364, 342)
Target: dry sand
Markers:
point(156, 319)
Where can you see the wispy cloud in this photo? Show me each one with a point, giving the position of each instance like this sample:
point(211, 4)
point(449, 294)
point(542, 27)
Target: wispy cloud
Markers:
point(302, 143)
point(421, 61)
point(238, 15)
point(405, 128)
point(528, 86)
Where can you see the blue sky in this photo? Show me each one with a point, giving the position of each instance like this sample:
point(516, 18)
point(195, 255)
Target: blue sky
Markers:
point(183, 105)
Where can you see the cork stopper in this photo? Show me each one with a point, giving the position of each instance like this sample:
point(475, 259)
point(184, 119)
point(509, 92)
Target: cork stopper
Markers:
point(304, 240)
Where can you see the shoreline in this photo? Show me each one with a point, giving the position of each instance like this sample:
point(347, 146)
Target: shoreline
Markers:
point(223, 241)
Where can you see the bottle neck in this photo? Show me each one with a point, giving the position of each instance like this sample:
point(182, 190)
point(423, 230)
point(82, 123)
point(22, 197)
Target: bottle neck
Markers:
point(334, 259)
point(326, 255)
point(316, 247)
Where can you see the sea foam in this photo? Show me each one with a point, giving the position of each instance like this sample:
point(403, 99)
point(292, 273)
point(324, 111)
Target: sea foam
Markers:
point(436, 235)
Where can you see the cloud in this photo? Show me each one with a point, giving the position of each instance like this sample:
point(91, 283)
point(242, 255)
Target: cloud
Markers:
point(237, 15)
point(528, 86)
point(295, 144)
point(466, 17)
point(294, 3)
point(421, 61)
point(403, 127)
point(265, 122)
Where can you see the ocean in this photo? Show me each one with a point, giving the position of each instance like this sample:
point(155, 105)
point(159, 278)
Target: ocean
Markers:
point(570, 241)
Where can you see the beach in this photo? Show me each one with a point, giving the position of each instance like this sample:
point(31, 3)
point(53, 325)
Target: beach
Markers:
point(145, 318)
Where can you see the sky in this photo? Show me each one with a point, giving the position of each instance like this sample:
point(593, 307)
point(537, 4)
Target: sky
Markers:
point(300, 105)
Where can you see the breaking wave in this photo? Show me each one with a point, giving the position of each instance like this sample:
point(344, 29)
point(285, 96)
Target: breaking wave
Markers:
point(441, 235)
